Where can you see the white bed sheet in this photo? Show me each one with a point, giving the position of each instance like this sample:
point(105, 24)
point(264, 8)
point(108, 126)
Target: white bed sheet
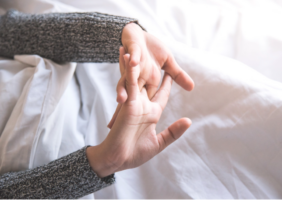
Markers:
point(246, 30)
point(233, 148)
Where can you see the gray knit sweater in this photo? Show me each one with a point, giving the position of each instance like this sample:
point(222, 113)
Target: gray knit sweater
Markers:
point(68, 177)
point(79, 37)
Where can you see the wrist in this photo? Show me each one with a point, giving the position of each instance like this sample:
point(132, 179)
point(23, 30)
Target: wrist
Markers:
point(98, 161)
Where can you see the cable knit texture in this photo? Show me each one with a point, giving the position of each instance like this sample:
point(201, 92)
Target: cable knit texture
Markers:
point(63, 37)
point(68, 177)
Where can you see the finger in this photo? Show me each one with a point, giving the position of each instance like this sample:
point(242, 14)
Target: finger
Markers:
point(141, 83)
point(121, 91)
point(135, 54)
point(162, 94)
point(121, 60)
point(173, 132)
point(178, 74)
point(144, 92)
point(151, 90)
point(111, 123)
point(132, 74)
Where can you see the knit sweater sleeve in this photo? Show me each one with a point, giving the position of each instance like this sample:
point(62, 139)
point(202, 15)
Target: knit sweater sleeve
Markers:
point(63, 37)
point(68, 177)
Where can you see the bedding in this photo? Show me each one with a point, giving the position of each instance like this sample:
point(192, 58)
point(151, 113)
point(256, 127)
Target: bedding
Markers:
point(230, 49)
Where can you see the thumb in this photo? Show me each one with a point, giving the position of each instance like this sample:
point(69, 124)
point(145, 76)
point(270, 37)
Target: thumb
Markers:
point(178, 74)
point(173, 132)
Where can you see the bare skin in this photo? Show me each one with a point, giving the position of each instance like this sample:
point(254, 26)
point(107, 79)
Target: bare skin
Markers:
point(151, 55)
point(132, 139)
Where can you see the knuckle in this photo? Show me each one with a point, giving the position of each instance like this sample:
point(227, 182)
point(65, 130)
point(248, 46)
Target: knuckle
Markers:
point(171, 134)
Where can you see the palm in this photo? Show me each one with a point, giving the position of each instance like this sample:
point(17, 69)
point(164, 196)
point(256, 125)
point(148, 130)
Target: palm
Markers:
point(133, 139)
point(142, 115)
point(152, 60)
point(138, 116)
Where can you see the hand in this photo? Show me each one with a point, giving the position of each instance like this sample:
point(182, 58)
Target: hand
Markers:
point(152, 56)
point(133, 140)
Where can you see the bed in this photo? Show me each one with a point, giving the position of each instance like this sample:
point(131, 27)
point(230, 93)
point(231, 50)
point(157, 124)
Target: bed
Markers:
point(231, 49)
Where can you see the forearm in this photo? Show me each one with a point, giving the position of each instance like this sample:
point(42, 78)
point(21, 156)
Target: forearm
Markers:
point(68, 177)
point(78, 37)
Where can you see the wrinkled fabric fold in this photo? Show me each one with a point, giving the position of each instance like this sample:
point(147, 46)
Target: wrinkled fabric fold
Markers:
point(232, 149)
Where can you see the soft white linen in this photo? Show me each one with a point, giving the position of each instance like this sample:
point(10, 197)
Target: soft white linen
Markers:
point(233, 148)
point(246, 30)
